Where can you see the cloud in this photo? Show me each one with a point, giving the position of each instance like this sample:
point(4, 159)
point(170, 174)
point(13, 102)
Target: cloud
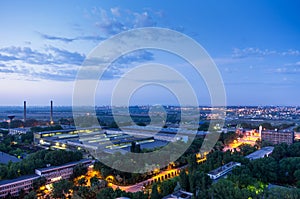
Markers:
point(256, 52)
point(50, 37)
point(287, 70)
point(144, 20)
point(51, 55)
point(115, 12)
point(67, 40)
point(58, 64)
point(117, 20)
point(50, 63)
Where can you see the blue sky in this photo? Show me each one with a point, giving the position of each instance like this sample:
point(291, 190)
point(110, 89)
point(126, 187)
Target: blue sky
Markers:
point(255, 44)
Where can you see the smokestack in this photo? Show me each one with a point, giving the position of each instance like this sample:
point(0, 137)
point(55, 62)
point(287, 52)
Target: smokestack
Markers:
point(51, 112)
point(24, 111)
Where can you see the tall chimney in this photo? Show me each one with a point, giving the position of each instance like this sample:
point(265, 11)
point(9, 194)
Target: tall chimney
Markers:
point(51, 112)
point(24, 111)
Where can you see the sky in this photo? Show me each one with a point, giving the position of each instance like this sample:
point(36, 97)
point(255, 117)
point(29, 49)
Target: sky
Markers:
point(254, 44)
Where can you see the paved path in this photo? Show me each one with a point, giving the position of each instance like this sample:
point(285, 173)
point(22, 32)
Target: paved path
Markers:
point(163, 175)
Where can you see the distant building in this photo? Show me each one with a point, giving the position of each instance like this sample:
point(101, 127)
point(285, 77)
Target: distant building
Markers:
point(265, 151)
point(223, 170)
point(18, 131)
point(179, 195)
point(277, 137)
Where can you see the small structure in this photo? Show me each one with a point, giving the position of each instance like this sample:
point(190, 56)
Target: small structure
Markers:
point(179, 195)
point(122, 198)
point(223, 170)
point(18, 131)
point(265, 151)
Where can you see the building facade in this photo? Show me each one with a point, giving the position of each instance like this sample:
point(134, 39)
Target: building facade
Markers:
point(56, 173)
point(15, 186)
point(277, 137)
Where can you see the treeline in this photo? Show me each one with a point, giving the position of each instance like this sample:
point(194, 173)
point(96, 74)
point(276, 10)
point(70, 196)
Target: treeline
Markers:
point(267, 125)
point(11, 143)
point(47, 128)
point(37, 160)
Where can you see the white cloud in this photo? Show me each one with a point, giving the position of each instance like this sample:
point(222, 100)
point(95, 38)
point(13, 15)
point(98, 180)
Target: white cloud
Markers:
point(256, 52)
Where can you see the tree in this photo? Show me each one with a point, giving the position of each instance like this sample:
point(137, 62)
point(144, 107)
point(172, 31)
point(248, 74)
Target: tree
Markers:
point(107, 193)
point(280, 151)
point(297, 176)
point(31, 195)
point(78, 170)
point(282, 192)
point(154, 193)
point(167, 187)
point(61, 188)
point(37, 183)
point(184, 180)
point(82, 181)
point(94, 181)
point(225, 189)
point(199, 183)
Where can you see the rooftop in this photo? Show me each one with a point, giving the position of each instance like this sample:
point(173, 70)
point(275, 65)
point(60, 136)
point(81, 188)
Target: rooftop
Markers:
point(26, 177)
point(64, 165)
point(260, 153)
point(5, 158)
point(225, 167)
point(179, 195)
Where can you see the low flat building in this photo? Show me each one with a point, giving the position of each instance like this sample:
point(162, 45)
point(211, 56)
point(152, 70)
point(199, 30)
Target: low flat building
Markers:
point(179, 195)
point(265, 151)
point(277, 137)
point(223, 170)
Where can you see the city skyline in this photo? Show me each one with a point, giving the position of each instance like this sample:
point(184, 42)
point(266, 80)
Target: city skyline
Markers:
point(255, 46)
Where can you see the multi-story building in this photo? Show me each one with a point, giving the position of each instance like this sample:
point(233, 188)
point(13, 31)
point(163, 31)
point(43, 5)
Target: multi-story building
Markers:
point(52, 174)
point(277, 137)
point(15, 186)
point(56, 173)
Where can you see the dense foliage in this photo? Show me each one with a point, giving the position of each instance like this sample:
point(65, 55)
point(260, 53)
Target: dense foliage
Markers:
point(37, 160)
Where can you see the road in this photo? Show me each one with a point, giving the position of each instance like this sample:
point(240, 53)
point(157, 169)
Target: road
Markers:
point(163, 175)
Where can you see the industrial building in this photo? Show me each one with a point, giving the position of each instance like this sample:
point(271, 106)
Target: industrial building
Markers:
point(95, 139)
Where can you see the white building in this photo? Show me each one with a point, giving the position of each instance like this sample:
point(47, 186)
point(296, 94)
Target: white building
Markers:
point(223, 170)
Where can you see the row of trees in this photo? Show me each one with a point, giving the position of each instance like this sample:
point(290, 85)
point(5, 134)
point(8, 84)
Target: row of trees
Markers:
point(38, 160)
